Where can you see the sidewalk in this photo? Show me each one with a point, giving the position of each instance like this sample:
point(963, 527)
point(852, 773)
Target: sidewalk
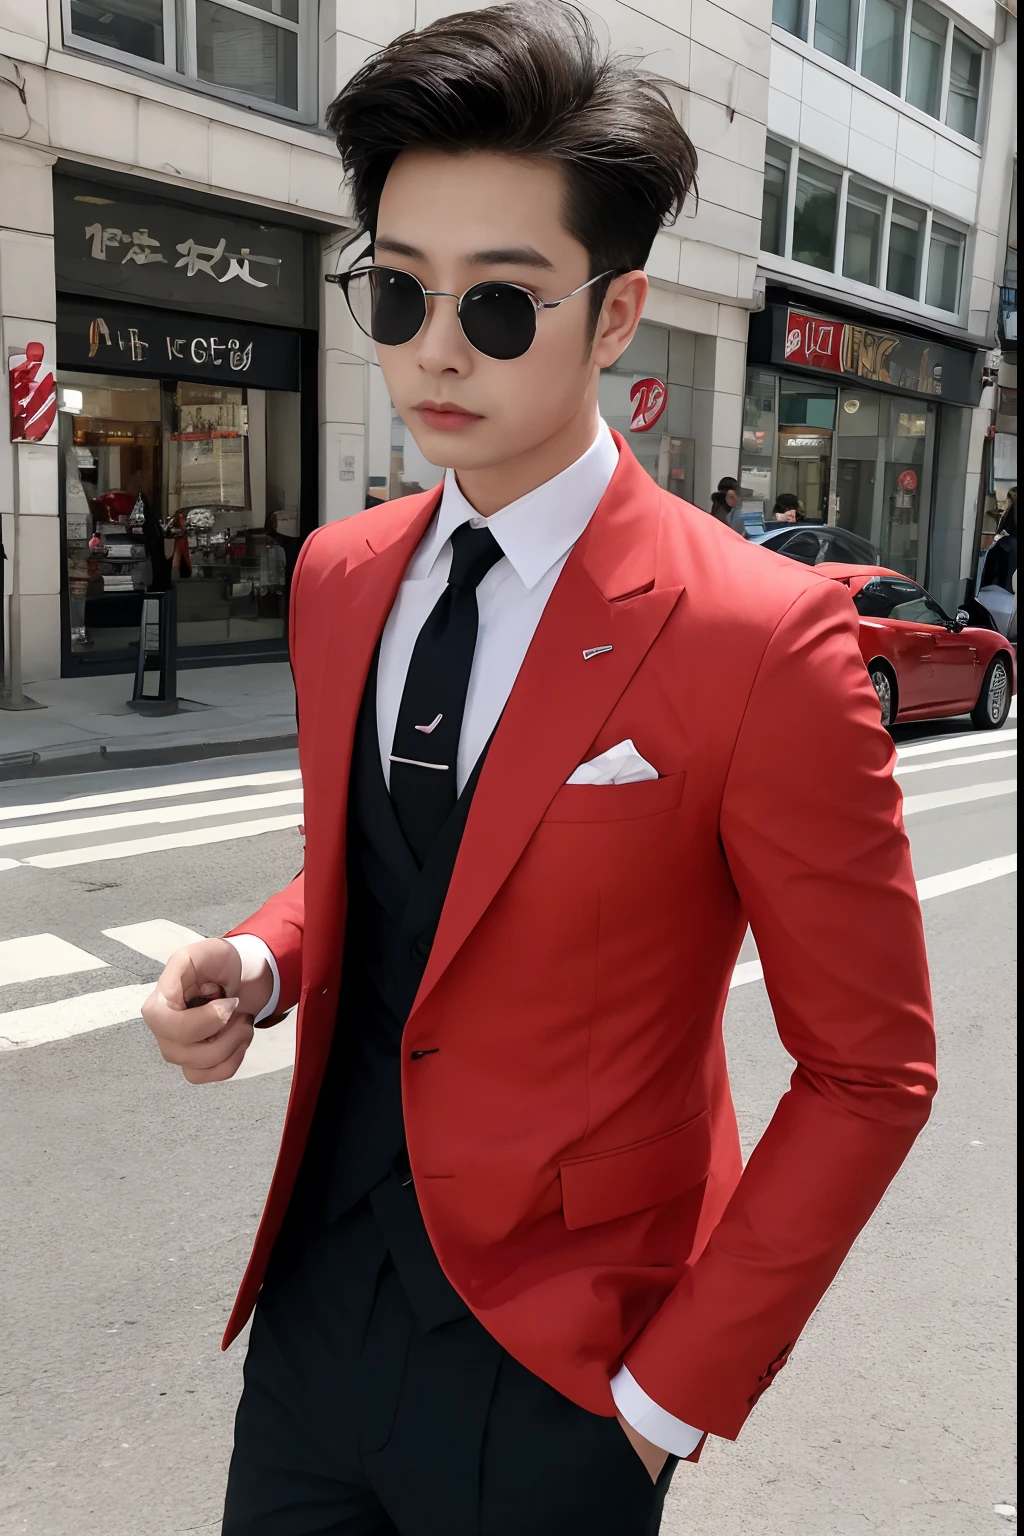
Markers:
point(87, 724)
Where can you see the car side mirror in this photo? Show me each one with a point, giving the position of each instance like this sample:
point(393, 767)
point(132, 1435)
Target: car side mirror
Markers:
point(961, 621)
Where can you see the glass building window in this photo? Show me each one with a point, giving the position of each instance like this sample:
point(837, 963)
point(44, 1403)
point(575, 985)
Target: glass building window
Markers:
point(246, 53)
point(248, 50)
point(774, 197)
point(135, 27)
point(964, 85)
point(905, 232)
point(882, 48)
point(945, 267)
point(927, 48)
point(791, 16)
point(814, 218)
point(865, 214)
point(833, 28)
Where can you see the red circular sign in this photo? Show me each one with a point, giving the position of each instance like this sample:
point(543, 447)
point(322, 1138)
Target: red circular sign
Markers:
point(907, 480)
point(649, 397)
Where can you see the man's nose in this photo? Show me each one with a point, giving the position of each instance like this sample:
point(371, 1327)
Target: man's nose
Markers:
point(442, 343)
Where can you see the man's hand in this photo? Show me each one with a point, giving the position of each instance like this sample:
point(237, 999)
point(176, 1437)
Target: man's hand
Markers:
point(201, 1013)
point(652, 1456)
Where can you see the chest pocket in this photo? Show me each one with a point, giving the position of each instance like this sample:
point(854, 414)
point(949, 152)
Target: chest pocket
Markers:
point(617, 802)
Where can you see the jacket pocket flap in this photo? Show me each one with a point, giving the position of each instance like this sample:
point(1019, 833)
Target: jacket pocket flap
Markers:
point(606, 1185)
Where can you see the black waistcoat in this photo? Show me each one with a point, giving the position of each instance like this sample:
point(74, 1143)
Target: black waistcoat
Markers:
point(357, 1142)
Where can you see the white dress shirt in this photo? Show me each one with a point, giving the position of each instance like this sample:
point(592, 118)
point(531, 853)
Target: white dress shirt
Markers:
point(536, 534)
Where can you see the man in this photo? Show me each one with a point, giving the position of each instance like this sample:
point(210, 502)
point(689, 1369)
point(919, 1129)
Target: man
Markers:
point(511, 1266)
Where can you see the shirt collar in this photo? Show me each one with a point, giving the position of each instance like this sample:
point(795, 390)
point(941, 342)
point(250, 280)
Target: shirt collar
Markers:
point(542, 526)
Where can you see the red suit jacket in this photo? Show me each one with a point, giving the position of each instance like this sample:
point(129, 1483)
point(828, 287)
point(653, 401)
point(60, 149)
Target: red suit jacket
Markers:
point(567, 1105)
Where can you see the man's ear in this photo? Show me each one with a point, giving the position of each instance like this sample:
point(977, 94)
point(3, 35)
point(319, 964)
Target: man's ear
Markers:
point(620, 315)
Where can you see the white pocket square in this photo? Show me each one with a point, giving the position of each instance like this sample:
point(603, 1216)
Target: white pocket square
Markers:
point(621, 764)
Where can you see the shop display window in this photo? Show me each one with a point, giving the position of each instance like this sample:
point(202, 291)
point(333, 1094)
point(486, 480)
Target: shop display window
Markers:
point(190, 484)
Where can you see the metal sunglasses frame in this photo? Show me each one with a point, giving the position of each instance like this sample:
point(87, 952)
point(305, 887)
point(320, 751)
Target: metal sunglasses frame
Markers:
point(343, 279)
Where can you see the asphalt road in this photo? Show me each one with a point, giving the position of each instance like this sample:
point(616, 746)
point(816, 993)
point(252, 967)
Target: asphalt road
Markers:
point(128, 1198)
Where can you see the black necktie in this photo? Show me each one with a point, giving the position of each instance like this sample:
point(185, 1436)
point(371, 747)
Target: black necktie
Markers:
point(424, 756)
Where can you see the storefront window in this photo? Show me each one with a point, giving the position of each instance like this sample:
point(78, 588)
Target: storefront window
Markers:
point(190, 484)
point(806, 422)
point(859, 459)
point(655, 358)
point(757, 448)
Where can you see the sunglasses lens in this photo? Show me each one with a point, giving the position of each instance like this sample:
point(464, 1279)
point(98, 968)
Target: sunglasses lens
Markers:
point(498, 319)
point(387, 304)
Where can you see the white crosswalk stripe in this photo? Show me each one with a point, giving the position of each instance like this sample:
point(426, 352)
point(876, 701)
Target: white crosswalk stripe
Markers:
point(121, 824)
point(272, 1050)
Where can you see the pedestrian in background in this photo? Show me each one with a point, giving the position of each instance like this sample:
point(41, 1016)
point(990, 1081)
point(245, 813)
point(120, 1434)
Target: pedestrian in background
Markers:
point(787, 509)
point(725, 505)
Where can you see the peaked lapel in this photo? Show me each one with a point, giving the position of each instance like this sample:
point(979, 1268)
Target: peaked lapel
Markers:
point(613, 591)
point(356, 604)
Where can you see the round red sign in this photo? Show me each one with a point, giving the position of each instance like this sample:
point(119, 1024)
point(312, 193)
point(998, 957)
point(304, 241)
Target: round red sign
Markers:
point(907, 480)
point(649, 398)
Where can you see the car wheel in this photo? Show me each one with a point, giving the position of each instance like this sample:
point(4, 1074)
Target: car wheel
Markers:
point(995, 697)
point(885, 686)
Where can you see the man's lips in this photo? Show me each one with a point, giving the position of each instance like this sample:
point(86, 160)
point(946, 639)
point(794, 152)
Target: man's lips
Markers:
point(445, 416)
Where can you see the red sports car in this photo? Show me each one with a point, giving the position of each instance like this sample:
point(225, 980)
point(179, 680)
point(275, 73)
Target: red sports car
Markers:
point(923, 663)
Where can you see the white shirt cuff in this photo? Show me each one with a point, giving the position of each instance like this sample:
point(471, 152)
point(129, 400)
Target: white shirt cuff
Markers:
point(643, 1414)
point(254, 954)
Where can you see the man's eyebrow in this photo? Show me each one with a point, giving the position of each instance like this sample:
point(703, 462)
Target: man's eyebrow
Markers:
point(397, 248)
point(511, 256)
point(500, 256)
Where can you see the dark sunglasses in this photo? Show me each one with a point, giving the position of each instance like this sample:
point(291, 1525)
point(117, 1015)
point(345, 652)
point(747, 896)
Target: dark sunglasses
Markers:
point(498, 319)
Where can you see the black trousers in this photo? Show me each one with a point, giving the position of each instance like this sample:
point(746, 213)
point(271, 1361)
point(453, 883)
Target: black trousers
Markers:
point(356, 1420)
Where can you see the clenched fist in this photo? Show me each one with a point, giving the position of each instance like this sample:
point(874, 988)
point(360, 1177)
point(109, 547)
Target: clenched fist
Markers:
point(202, 1012)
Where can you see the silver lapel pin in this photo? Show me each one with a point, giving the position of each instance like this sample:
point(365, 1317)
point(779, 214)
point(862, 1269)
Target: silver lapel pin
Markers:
point(597, 650)
point(426, 729)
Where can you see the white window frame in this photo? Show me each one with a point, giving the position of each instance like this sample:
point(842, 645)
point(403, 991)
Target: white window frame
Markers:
point(180, 44)
point(853, 63)
point(879, 289)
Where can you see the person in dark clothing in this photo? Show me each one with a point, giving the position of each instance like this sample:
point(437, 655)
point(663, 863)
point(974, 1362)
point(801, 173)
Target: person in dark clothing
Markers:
point(1001, 561)
point(725, 505)
point(787, 509)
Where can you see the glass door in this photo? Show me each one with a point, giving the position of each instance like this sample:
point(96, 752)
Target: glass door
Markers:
point(807, 416)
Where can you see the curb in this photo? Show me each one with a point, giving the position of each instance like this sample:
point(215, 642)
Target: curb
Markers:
point(40, 765)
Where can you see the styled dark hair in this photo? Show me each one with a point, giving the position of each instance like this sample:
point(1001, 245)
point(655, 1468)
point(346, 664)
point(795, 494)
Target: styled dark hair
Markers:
point(525, 78)
point(787, 503)
point(727, 484)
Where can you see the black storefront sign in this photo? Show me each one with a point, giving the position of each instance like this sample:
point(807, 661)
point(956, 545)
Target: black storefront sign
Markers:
point(112, 243)
point(157, 343)
point(860, 352)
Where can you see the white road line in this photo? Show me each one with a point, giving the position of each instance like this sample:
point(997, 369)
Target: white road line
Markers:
point(78, 826)
point(195, 838)
point(152, 792)
point(9, 863)
point(273, 1050)
point(157, 939)
point(942, 797)
point(72, 1016)
point(955, 743)
point(955, 762)
point(972, 874)
point(39, 955)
